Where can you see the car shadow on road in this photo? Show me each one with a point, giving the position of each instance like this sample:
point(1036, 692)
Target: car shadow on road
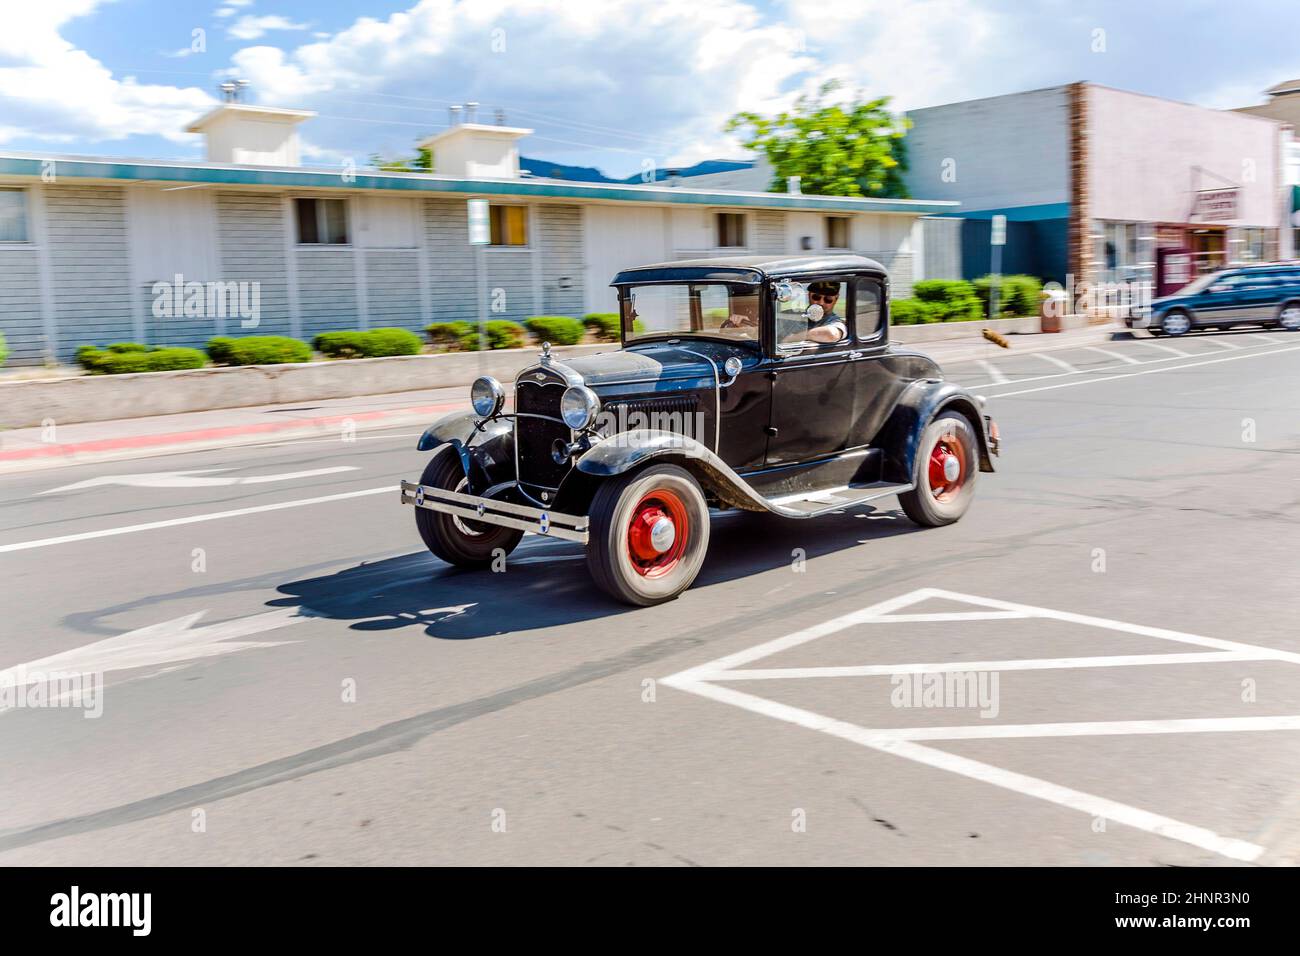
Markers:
point(546, 584)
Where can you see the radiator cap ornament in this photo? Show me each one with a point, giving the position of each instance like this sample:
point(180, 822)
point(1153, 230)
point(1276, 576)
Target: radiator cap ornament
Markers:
point(546, 351)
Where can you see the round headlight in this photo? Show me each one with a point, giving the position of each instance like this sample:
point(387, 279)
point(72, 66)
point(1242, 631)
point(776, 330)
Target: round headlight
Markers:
point(579, 407)
point(487, 396)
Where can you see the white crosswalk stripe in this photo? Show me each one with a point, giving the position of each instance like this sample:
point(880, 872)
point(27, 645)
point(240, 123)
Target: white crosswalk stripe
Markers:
point(1059, 363)
point(993, 372)
point(1113, 355)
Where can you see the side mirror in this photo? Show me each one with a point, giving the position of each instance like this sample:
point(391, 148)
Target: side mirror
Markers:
point(815, 313)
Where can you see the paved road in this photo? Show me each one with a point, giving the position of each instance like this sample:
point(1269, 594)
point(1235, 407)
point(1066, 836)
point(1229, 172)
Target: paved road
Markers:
point(290, 678)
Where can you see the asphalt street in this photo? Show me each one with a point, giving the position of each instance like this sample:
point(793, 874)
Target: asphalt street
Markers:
point(290, 678)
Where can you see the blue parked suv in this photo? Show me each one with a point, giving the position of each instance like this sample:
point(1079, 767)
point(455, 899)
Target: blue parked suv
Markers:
point(1252, 295)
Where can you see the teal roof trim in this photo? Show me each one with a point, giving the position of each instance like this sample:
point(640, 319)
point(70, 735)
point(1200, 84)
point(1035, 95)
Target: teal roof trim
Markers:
point(136, 171)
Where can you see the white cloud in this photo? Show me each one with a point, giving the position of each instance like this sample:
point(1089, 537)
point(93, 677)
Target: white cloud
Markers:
point(654, 81)
point(56, 93)
point(231, 7)
point(250, 27)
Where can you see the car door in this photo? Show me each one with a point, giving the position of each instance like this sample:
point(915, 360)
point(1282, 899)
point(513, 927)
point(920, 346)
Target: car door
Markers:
point(1226, 300)
point(876, 386)
point(813, 387)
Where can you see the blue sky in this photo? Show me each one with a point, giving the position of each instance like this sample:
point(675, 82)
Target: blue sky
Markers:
point(612, 83)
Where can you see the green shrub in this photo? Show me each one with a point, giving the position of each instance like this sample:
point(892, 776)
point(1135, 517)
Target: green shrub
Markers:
point(606, 326)
point(257, 350)
point(911, 312)
point(124, 347)
point(4, 349)
point(504, 334)
point(556, 329)
point(1018, 295)
point(137, 358)
point(218, 349)
point(951, 300)
point(391, 341)
point(458, 336)
point(373, 343)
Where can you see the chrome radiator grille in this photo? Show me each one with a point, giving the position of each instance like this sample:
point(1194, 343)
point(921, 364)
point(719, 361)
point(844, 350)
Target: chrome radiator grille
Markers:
point(535, 437)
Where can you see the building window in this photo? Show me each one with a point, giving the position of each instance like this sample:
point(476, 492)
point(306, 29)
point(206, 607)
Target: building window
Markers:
point(837, 232)
point(13, 215)
point(509, 225)
point(731, 230)
point(867, 314)
point(322, 221)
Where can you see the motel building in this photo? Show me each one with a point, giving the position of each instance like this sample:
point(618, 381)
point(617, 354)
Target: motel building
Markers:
point(1105, 185)
point(90, 247)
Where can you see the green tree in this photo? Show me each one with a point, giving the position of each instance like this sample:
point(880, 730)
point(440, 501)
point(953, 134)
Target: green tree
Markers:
point(422, 162)
point(836, 149)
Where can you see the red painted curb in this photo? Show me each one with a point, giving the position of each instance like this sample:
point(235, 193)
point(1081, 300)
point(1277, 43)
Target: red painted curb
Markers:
point(209, 434)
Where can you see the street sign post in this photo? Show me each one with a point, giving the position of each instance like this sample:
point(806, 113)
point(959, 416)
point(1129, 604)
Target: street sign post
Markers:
point(480, 235)
point(998, 239)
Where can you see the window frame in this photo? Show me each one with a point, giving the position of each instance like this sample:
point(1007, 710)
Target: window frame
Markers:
point(26, 200)
point(742, 218)
point(848, 232)
point(321, 224)
point(810, 348)
point(525, 210)
point(882, 313)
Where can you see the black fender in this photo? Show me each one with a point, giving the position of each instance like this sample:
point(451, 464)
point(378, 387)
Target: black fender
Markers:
point(899, 437)
point(486, 447)
point(631, 449)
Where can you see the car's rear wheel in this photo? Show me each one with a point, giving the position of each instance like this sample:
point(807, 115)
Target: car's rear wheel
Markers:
point(1288, 317)
point(947, 462)
point(649, 532)
point(1176, 323)
point(459, 541)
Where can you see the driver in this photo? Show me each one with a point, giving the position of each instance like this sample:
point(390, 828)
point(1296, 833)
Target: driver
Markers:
point(830, 328)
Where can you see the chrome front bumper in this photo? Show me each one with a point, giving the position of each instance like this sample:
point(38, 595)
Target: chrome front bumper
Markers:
point(552, 524)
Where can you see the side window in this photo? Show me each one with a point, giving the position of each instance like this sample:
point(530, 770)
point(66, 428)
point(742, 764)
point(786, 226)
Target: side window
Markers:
point(868, 308)
point(830, 328)
point(322, 221)
point(13, 215)
point(730, 230)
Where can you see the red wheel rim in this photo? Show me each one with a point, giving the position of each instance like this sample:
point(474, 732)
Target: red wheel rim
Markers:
point(648, 516)
point(948, 466)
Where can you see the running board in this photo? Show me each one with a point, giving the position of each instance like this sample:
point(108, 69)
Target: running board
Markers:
point(813, 503)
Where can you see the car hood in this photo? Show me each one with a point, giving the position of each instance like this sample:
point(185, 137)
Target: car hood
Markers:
point(654, 362)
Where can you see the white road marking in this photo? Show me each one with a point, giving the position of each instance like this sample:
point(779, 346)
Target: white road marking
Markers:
point(992, 371)
point(1150, 371)
point(192, 519)
point(1260, 337)
point(188, 479)
point(1222, 343)
point(1036, 664)
point(1093, 728)
point(166, 643)
point(996, 776)
point(1112, 355)
point(1059, 363)
point(702, 680)
point(1168, 348)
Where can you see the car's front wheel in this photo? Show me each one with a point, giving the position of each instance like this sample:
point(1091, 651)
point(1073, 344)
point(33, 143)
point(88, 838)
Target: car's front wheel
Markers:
point(947, 462)
point(649, 531)
point(459, 541)
point(1176, 323)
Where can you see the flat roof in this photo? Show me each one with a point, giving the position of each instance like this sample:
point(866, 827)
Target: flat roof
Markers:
point(31, 166)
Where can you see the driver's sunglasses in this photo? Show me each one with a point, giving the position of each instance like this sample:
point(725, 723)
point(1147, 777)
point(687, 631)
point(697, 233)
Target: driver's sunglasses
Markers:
point(823, 297)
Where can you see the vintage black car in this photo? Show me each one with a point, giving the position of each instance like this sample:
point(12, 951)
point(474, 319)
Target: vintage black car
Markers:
point(766, 384)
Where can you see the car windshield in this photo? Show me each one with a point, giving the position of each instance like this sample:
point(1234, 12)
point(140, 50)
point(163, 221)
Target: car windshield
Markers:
point(713, 309)
point(1200, 283)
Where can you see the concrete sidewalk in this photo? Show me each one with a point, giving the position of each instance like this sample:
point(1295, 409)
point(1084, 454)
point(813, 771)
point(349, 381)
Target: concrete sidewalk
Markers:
point(27, 449)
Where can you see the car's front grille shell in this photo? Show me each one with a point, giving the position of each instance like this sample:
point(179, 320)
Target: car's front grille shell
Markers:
point(535, 437)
